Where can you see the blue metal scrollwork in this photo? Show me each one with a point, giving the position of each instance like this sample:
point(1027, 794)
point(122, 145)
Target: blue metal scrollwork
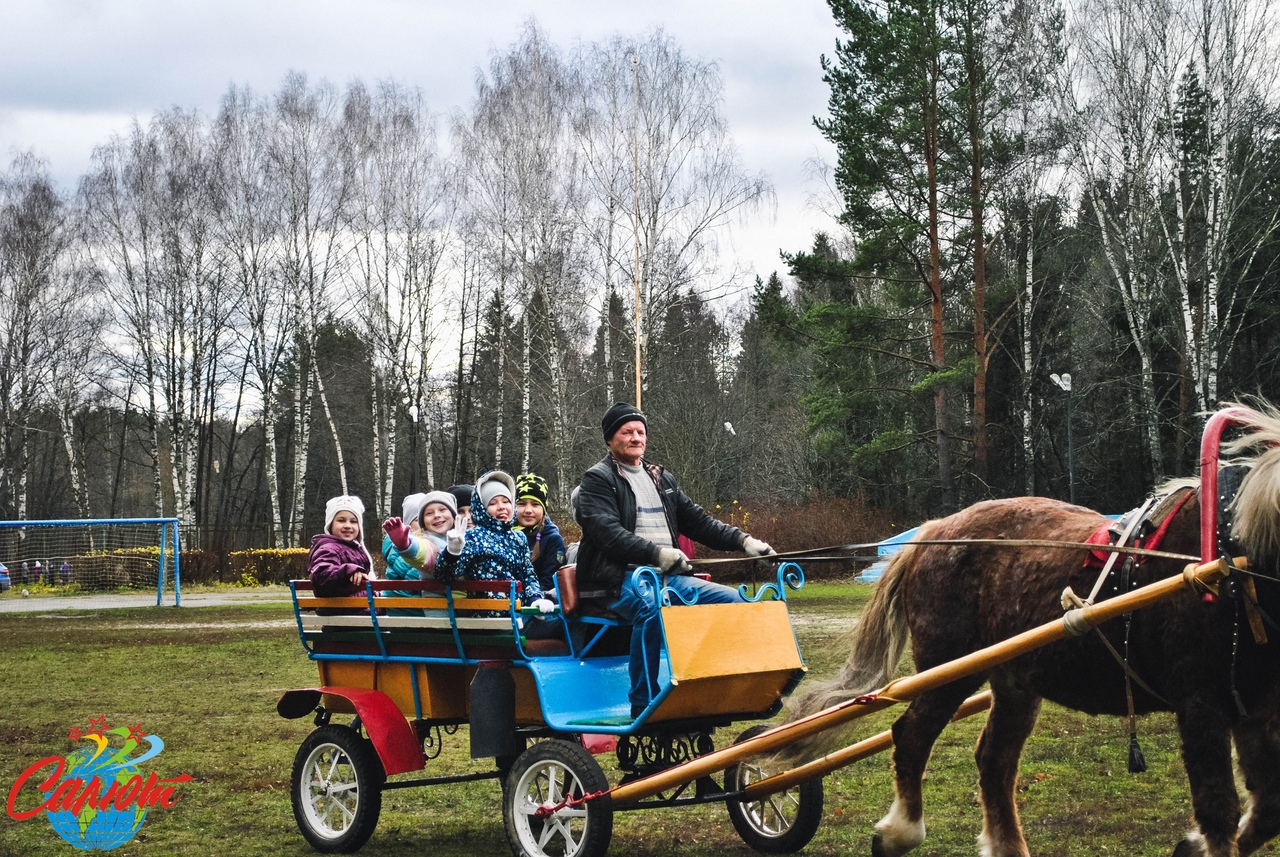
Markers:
point(648, 582)
point(790, 576)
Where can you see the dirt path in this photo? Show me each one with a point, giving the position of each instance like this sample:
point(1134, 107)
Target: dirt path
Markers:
point(13, 602)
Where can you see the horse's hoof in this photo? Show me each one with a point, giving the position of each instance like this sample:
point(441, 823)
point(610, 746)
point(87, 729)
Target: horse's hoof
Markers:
point(1186, 848)
point(877, 846)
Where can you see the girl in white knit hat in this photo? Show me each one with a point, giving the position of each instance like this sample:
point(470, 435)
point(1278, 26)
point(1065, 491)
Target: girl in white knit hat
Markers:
point(339, 563)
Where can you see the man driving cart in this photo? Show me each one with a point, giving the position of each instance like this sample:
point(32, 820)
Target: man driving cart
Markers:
point(632, 513)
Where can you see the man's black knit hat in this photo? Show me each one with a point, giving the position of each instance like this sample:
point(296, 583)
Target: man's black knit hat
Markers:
point(616, 416)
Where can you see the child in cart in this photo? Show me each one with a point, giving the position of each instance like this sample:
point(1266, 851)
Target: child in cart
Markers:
point(493, 550)
point(546, 546)
point(413, 542)
point(339, 563)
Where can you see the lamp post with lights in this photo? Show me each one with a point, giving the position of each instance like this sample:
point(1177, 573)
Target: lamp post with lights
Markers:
point(1064, 382)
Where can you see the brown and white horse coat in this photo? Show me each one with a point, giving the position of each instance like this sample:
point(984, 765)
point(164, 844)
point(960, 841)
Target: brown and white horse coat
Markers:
point(956, 599)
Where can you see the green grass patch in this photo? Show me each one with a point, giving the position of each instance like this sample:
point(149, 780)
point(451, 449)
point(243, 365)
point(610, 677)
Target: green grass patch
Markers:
point(206, 680)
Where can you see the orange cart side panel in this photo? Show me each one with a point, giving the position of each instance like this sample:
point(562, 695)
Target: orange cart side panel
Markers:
point(444, 689)
point(728, 658)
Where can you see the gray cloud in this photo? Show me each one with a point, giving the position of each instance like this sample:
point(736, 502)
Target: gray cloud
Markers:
point(73, 71)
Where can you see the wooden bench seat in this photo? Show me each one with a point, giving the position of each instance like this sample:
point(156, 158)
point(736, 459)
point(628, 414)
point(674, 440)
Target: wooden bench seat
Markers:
point(460, 624)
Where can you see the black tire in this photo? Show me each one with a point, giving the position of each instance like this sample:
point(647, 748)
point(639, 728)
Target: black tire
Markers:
point(336, 789)
point(546, 775)
point(778, 823)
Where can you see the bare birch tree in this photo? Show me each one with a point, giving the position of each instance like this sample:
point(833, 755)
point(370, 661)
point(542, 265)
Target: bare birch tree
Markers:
point(249, 230)
point(1116, 103)
point(692, 185)
point(44, 324)
point(399, 213)
point(306, 163)
point(1032, 29)
point(1170, 98)
point(1216, 97)
point(151, 214)
point(521, 165)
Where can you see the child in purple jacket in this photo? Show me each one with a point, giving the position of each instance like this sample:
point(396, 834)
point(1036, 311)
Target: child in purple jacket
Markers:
point(339, 563)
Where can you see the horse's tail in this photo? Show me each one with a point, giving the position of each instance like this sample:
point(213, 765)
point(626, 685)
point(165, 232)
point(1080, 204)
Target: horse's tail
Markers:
point(877, 646)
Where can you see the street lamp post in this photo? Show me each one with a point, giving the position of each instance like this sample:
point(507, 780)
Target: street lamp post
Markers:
point(413, 416)
point(1064, 382)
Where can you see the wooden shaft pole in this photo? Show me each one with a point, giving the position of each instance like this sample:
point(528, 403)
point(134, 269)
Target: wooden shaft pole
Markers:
point(849, 755)
point(1075, 622)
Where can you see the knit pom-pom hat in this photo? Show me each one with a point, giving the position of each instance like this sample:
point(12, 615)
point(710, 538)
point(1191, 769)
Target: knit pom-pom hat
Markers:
point(354, 505)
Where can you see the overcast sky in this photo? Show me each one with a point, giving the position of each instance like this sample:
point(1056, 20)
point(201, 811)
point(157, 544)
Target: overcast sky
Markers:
point(72, 72)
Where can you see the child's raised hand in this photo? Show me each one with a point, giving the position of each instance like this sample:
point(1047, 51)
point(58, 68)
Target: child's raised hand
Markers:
point(398, 530)
point(455, 538)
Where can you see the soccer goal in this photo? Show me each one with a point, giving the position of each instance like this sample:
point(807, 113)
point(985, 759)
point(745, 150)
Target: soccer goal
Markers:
point(125, 562)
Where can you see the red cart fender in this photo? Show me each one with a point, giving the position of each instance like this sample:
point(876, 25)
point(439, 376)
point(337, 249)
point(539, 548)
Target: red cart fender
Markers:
point(398, 746)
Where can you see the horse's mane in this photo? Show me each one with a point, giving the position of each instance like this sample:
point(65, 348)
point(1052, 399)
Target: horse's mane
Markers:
point(1257, 505)
point(1174, 483)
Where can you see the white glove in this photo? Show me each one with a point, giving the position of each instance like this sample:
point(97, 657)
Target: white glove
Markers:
point(544, 605)
point(755, 547)
point(673, 561)
point(454, 539)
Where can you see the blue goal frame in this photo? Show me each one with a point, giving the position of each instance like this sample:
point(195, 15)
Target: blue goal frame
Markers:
point(168, 545)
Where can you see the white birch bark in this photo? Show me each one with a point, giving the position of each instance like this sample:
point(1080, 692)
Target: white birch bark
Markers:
point(526, 424)
point(305, 159)
point(333, 433)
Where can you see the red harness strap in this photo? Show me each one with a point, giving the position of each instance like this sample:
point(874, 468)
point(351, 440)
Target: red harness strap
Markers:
point(1102, 536)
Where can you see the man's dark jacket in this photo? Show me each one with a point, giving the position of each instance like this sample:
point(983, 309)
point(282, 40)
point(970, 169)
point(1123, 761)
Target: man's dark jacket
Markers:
point(607, 512)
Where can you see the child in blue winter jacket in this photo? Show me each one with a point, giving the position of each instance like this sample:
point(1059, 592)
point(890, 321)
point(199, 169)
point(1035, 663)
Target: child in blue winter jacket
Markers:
point(492, 549)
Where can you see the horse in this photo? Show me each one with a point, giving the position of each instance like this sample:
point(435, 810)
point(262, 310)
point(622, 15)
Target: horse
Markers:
point(955, 599)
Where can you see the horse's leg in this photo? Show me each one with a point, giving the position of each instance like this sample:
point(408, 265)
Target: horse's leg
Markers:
point(1206, 754)
point(1013, 715)
point(1258, 749)
point(914, 734)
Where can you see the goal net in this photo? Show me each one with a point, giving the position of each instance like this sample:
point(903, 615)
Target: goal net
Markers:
point(127, 562)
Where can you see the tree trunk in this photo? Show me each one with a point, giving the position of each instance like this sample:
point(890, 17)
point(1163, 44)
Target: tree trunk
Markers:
point(78, 487)
point(937, 341)
point(979, 303)
point(272, 475)
point(502, 390)
point(302, 414)
point(526, 395)
point(333, 430)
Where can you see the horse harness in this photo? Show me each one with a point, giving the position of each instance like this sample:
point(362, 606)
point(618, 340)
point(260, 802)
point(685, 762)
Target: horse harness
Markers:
point(1144, 527)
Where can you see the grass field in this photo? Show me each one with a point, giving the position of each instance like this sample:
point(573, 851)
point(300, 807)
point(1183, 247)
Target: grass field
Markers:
point(206, 681)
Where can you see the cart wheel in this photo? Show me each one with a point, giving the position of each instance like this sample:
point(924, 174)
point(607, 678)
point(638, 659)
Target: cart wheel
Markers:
point(546, 775)
point(778, 823)
point(336, 789)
